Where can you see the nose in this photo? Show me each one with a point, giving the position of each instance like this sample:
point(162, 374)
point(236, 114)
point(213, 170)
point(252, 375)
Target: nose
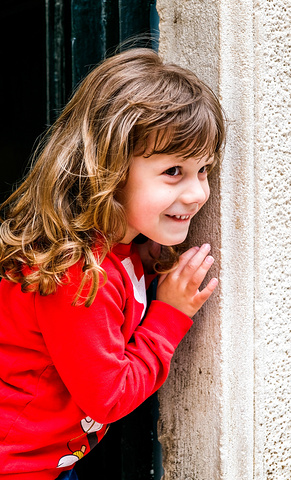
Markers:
point(195, 191)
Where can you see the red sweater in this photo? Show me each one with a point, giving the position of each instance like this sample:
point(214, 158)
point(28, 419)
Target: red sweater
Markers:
point(63, 366)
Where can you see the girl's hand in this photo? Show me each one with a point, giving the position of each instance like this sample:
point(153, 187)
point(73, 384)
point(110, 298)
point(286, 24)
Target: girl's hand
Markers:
point(180, 288)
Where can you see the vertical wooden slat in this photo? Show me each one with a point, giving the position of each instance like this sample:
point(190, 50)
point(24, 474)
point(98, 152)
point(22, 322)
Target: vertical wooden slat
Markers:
point(87, 35)
point(94, 30)
point(110, 16)
point(58, 65)
point(134, 18)
point(139, 23)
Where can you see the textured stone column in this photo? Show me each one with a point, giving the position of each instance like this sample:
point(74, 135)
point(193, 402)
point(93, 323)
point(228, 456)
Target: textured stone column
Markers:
point(225, 409)
point(273, 245)
point(190, 411)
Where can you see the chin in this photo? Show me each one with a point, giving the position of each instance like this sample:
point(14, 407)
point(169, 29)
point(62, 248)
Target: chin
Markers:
point(173, 243)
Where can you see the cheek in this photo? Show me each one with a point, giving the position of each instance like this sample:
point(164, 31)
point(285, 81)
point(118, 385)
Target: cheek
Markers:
point(154, 198)
point(206, 192)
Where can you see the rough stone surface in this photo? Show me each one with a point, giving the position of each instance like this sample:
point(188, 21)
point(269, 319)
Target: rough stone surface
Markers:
point(189, 36)
point(237, 220)
point(189, 401)
point(225, 409)
point(275, 150)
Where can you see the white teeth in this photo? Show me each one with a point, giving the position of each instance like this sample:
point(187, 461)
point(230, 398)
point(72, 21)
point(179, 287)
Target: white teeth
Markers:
point(182, 217)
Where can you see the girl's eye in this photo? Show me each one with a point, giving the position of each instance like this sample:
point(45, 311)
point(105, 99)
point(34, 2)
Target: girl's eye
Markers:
point(204, 169)
point(173, 171)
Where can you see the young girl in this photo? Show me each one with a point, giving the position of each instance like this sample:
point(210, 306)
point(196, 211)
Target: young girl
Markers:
point(129, 155)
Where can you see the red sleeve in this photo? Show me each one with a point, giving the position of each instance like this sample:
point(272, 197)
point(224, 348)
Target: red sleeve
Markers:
point(108, 374)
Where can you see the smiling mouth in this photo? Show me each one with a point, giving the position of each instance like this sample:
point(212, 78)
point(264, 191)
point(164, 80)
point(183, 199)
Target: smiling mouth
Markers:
point(179, 217)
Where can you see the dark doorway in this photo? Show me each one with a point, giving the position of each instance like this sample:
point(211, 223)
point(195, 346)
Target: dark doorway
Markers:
point(22, 86)
point(47, 47)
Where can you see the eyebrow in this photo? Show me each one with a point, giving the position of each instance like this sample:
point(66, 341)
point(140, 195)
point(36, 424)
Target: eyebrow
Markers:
point(209, 160)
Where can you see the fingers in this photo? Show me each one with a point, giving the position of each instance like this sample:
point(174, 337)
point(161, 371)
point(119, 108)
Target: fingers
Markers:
point(193, 265)
point(180, 288)
point(195, 273)
point(185, 258)
point(193, 269)
point(201, 297)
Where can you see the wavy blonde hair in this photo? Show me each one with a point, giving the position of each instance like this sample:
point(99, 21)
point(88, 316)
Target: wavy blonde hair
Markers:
point(68, 202)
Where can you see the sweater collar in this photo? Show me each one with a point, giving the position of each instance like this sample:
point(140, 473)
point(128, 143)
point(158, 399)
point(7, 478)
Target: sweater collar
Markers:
point(123, 249)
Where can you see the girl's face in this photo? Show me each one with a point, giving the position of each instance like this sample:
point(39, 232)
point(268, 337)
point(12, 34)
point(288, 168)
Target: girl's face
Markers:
point(163, 192)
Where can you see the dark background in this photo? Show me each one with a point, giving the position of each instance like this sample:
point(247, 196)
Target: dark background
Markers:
point(47, 47)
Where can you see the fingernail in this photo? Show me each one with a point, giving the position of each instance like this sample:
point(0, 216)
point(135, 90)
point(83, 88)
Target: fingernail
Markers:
point(213, 282)
point(209, 260)
point(206, 247)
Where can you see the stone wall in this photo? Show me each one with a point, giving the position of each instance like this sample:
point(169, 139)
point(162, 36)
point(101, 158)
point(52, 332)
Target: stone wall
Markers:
point(225, 409)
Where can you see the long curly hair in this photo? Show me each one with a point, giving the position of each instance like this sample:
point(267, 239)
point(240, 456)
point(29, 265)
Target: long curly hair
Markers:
point(66, 210)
